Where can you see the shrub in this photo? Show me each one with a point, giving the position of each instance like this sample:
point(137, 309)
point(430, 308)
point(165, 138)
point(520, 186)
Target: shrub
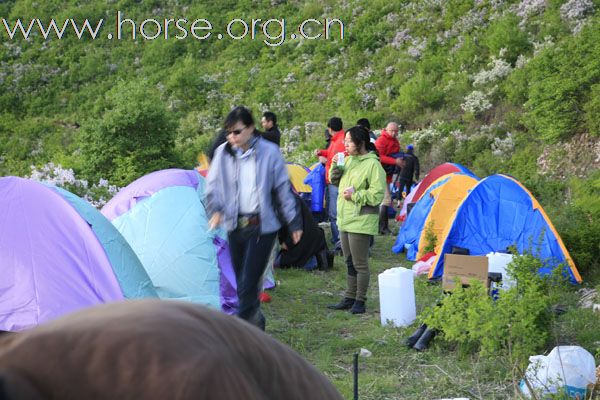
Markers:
point(514, 326)
point(592, 111)
point(132, 137)
point(505, 33)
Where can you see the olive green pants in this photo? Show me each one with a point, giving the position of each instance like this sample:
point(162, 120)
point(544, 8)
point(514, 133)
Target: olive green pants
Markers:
point(355, 247)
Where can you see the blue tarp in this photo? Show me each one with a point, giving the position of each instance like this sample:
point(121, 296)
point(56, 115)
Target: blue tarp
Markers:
point(316, 180)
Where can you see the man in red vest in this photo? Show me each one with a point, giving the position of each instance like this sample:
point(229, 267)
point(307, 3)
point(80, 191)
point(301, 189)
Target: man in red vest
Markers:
point(336, 145)
point(387, 144)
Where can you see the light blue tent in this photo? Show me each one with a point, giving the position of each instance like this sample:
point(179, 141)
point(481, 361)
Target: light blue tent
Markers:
point(162, 217)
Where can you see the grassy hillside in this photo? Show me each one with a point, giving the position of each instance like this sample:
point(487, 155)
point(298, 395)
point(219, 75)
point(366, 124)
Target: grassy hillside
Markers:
point(500, 86)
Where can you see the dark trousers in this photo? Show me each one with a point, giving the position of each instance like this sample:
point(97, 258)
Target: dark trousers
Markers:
point(249, 255)
point(405, 185)
point(332, 196)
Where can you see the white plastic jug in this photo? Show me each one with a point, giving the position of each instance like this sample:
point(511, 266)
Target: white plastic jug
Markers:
point(497, 262)
point(397, 297)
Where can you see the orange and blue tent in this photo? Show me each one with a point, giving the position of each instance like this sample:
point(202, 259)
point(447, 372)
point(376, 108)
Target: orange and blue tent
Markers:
point(436, 173)
point(499, 212)
point(432, 212)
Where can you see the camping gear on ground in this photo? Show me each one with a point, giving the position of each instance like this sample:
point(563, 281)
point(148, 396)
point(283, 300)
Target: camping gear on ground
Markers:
point(497, 263)
point(414, 338)
point(58, 254)
point(423, 265)
point(163, 218)
point(499, 212)
point(425, 339)
point(465, 268)
point(312, 243)
point(397, 297)
point(571, 368)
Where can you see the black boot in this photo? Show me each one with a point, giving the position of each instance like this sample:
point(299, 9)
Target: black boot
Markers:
point(424, 340)
point(330, 256)
point(383, 221)
point(345, 304)
point(323, 260)
point(412, 339)
point(358, 307)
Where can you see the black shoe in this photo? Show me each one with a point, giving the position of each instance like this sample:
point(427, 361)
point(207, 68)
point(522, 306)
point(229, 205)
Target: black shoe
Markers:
point(424, 340)
point(323, 260)
point(358, 307)
point(345, 304)
point(330, 257)
point(412, 339)
point(383, 221)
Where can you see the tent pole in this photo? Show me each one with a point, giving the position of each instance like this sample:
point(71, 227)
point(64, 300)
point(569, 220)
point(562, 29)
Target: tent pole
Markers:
point(355, 376)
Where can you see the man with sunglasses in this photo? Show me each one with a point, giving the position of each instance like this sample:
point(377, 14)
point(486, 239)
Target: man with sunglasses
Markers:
point(247, 193)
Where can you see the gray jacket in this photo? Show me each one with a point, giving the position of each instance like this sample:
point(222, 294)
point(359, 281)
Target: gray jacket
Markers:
point(275, 197)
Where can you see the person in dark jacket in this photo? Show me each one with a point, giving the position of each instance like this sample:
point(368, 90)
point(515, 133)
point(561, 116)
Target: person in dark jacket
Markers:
point(364, 122)
point(269, 124)
point(154, 349)
point(312, 244)
point(409, 170)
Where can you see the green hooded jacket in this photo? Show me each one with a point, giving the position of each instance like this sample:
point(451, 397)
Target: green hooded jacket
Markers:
point(366, 175)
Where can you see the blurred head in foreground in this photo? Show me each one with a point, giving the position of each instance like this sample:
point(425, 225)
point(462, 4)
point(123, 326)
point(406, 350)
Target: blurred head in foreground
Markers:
point(154, 350)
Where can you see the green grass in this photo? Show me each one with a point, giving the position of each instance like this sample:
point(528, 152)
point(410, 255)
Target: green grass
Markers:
point(298, 316)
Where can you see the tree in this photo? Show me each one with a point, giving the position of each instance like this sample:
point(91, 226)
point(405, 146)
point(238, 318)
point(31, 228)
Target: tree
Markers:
point(133, 135)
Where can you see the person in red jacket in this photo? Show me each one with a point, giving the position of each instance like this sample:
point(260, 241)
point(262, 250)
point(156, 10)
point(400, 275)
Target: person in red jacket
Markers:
point(336, 145)
point(387, 144)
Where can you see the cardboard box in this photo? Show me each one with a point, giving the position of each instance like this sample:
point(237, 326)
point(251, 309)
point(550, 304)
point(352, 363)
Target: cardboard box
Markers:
point(466, 268)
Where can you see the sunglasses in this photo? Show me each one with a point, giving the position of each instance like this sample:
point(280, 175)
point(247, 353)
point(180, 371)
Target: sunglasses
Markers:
point(235, 132)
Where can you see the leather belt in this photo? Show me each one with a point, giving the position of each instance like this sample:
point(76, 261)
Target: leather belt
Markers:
point(246, 220)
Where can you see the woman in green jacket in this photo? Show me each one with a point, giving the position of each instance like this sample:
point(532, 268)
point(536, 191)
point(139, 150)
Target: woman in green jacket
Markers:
point(362, 186)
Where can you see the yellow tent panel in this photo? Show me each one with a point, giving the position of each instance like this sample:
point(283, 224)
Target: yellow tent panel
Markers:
point(447, 199)
point(297, 174)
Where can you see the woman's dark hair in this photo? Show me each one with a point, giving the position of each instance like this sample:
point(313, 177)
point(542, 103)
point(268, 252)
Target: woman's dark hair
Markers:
point(364, 123)
point(270, 116)
point(239, 114)
point(360, 135)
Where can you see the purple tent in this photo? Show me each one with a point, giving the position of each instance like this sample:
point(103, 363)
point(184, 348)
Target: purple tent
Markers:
point(52, 261)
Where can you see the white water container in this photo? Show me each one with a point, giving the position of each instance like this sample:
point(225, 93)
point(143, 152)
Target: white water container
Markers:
point(397, 297)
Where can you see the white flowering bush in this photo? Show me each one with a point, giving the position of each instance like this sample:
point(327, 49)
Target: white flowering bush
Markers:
point(476, 102)
point(365, 73)
point(425, 138)
point(418, 45)
point(574, 12)
point(503, 148)
point(498, 69)
point(98, 194)
point(400, 38)
point(527, 8)
point(576, 9)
